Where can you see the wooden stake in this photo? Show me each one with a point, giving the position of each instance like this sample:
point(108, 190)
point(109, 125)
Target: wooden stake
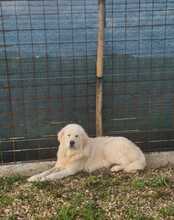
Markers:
point(99, 105)
point(100, 46)
point(99, 69)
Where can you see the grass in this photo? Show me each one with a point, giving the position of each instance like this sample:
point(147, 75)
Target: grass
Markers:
point(13, 217)
point(5, 200)
point(157, 181)
point(66, 213)
point(167, 211)
point(138, 183)
point(133, 214)
point(88, 212)
point(7, 183)
point(147, 195)
point(92, 212)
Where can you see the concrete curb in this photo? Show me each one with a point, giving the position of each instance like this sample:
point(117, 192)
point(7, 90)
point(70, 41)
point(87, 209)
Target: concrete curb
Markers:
point(25, 169)
point(154, 160)
point(160, 159)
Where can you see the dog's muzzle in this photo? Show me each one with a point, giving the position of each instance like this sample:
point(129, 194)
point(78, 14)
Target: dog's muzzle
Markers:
point(72, 144)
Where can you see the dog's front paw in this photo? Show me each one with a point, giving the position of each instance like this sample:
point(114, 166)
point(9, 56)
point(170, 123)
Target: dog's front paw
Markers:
point(43, 179)
point(34, 179)
point(46, 178)
point(50, 178)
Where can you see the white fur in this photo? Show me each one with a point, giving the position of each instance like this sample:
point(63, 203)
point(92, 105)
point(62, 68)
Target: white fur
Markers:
point(89, 154)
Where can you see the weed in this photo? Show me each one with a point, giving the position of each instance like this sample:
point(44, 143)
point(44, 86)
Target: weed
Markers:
point(92, 181)
point(5, 200)
point(12, 217)
point(133, 214)
point(158, 182)
point(7, 182)
point(92, 212)
point(66, 212)
point(78, 198)
point(153, 182)
point(41, 185)
point(167, 211)
point(138, 183)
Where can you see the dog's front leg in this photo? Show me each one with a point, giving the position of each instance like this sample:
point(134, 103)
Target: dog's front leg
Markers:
point(39, 176)
point(68, 171)
point(58, 175)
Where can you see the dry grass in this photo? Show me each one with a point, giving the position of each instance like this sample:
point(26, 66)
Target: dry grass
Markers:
point(101, 195)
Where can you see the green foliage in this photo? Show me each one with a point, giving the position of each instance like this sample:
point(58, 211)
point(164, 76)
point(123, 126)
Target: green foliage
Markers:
point(6, 183)
point(157, 181)
point(41, 185)
point(5, 200)
point(66, 213)
point(12, 217)
point(133, 214)
point(91, 212)
point(138, 183)
point(167, 211)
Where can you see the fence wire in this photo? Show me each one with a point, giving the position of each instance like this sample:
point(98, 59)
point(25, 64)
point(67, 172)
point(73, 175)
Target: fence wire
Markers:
point(47, 55)
point(139, 66)
point(47, 73)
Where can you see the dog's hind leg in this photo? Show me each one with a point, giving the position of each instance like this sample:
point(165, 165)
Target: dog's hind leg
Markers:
point(116, 168)
point(135, 166)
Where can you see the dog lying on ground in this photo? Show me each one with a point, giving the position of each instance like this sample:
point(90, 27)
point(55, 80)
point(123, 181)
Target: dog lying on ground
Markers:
point(78, 152)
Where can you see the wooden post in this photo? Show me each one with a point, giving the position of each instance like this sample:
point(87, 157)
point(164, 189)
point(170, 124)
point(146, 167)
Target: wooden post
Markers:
point(99, 105)
point(100, 46)
point(99, 69)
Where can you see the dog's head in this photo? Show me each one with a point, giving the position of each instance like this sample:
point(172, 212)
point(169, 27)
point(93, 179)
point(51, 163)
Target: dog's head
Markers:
point(73, 137)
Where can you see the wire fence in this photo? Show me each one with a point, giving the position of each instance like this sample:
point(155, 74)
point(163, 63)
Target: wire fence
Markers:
point(47, 73)
point(139, 66)
point(48, 51)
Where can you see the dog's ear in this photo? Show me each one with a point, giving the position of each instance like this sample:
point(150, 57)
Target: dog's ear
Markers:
point(85, 139)
point(60, 135)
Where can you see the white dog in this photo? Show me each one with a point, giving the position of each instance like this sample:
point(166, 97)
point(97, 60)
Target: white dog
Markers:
point(78, 152)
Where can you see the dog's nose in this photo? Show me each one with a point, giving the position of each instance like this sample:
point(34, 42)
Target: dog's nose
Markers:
point(72, 143)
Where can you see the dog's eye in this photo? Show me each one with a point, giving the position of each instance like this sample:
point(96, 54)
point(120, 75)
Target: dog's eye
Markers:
point(76, 135)
point(68, 135)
